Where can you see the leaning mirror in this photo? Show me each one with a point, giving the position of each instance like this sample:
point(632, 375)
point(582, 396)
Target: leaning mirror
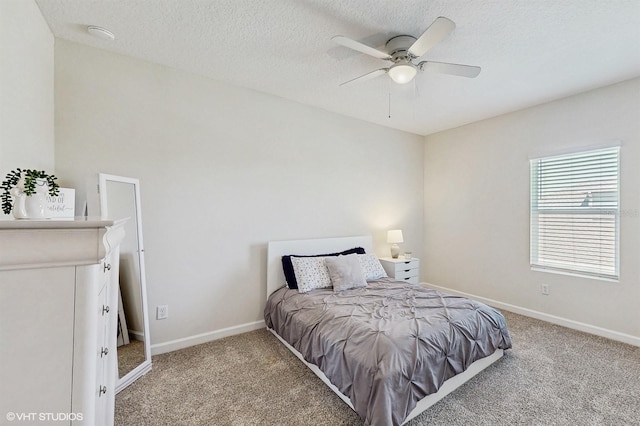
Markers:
point(119, 199)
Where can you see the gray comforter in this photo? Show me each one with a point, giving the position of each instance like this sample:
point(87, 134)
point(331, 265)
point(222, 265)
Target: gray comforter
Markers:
point(388, 345)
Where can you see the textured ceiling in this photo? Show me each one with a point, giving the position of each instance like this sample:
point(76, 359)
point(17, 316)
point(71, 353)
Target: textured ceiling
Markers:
point(530, 51)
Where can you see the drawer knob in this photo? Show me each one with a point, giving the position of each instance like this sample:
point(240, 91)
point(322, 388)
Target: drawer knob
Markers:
point(107, 267)
point(104, 351)
point(103, 389)
point(105, 309)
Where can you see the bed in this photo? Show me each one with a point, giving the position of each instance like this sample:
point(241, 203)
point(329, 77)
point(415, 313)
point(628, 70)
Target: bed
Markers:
point(389, 350)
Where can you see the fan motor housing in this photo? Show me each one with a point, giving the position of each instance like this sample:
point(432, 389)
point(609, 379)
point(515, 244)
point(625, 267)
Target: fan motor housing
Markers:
point(398, 47)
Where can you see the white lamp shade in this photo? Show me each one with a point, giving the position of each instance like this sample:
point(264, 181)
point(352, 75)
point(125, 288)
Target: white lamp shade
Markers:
point(394, 236)
point(402, 73)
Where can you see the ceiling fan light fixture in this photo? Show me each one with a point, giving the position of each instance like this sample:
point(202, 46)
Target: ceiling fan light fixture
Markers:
point(402, 50)
point(402, 73)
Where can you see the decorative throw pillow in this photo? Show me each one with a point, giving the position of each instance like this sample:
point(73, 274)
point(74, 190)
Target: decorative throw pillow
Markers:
point(371, 267)
point(345, 272)
point(287, 267)
point(311, 273)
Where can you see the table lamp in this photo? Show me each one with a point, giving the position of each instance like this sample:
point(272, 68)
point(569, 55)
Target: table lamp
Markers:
point(394, 237)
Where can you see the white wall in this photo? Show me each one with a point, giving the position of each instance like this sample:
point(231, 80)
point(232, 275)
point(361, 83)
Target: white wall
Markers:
point(476, 237)
point(26, 88)
point(223, 170)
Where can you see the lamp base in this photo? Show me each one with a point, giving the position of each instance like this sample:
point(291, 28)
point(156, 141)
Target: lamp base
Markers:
point(395, 251)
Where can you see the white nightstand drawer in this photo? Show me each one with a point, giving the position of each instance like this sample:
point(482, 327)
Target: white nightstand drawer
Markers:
point(412, 280)
point(407, 266)
point(406, 275)
point(402, 269)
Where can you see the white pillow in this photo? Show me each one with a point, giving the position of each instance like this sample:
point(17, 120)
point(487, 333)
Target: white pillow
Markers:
point(311, 273)
point(371, 267)
point(345, 272)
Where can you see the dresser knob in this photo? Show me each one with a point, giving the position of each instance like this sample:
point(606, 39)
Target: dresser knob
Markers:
point(103, 389)
point(107, 267)
point(104, 351)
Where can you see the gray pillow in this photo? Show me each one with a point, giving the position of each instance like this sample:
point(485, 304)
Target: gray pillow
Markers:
point(345, 272)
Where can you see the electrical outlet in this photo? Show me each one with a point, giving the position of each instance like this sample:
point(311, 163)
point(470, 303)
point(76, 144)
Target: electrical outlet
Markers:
point(162, 312)
point(544, 289)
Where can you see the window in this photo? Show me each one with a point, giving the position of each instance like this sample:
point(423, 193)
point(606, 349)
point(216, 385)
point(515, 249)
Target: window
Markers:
point(575, 213)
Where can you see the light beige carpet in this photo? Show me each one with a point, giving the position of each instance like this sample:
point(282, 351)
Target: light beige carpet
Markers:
point(130, 356)
point(552, 376)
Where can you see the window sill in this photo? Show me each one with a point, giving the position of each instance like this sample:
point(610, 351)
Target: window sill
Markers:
point(573, 274)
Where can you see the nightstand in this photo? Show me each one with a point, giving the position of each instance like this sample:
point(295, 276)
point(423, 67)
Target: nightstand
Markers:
point(402, 269)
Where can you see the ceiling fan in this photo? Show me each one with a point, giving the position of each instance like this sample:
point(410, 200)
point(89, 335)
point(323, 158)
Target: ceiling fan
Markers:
point(402, 50)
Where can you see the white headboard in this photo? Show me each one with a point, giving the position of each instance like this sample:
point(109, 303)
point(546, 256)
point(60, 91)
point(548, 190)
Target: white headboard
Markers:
point(277, 249)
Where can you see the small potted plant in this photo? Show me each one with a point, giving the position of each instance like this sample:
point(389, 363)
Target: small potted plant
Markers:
point(25, 193)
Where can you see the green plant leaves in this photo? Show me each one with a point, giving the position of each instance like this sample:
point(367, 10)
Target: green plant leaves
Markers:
point(30, 181)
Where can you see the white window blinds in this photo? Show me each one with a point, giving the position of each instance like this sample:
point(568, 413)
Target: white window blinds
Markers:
point(575, 213)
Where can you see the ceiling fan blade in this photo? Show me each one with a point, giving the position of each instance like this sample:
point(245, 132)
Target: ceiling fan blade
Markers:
point(438, 30)
point(368, 76)
point(446, 68)
point(363, 48)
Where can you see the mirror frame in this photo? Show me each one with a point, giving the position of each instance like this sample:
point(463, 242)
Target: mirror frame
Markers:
point(145, 366)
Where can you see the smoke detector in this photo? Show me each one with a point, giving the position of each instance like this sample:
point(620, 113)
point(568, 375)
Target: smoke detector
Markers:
point(100, 32)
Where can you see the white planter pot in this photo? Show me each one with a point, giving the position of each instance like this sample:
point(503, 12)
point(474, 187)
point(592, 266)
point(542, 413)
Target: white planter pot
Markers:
point(30, 206)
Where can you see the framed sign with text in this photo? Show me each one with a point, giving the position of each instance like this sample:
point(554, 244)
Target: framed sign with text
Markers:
point(63, 204)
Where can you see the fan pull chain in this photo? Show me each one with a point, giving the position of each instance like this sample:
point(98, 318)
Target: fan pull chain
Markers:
point(389, 103)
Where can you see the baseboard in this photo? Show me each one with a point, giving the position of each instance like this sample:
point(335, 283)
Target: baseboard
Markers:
point(587, 328)
point(185, 342)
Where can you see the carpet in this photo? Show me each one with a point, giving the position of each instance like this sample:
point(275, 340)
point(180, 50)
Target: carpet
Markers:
point(130, 356)
point(552, 376)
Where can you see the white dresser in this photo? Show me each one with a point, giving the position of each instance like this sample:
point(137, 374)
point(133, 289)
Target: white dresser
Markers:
point(402, 269)
point(58, 312)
